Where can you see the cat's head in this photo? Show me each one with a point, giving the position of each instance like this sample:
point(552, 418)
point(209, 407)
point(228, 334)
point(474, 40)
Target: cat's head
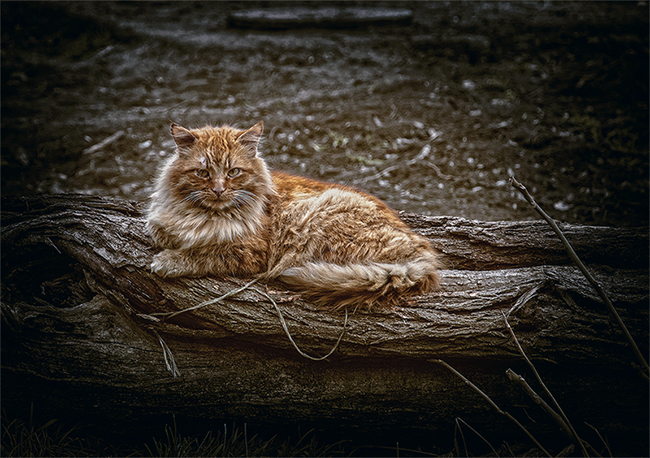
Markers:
point(218, 168)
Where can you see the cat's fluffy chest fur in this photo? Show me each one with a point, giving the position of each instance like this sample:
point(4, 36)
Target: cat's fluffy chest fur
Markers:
point(216, 209)
point(192, 226)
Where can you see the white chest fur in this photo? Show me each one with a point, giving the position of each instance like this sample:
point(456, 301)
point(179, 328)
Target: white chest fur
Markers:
point(194, 227)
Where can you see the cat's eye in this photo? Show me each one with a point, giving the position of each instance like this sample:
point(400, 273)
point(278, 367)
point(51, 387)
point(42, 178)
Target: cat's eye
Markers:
point(232, 173)
point(203, 173)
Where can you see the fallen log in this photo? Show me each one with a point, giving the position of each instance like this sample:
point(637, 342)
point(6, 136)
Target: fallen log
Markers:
point(78, 301)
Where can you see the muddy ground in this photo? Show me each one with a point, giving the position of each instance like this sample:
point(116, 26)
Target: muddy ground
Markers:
point(430, 117)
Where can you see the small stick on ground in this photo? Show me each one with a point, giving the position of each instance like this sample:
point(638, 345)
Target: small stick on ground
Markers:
point(107, 141)
point(609, 451)
point(456, 445)
point(493, 404)
point(568, 431)
point(436, 169)
point(522, 189)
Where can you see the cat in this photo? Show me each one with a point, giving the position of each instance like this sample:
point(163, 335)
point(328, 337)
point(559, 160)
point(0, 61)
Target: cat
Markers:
point(217, 209)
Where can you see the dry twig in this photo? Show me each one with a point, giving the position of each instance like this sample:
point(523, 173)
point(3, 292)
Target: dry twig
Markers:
point(492, 403)
point(458, 419)
point(573, 434)
point(609, 451)
point(522, 189)
point(107, 141)
point(248, 285)
point(170, 362)
point(202, 304)
point(286, 330)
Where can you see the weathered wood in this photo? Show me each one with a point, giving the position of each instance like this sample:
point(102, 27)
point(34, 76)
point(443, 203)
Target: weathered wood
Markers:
point(76, 289)
point(479, 245)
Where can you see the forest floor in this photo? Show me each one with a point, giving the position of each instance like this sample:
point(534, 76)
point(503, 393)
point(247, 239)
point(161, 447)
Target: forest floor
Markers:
point(430, 117)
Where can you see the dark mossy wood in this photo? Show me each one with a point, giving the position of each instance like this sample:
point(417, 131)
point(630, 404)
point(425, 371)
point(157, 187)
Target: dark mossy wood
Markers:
point(76, 292)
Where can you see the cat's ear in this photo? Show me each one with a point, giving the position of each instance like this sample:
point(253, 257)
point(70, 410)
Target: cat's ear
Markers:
point(250, 138)
point(183, 137)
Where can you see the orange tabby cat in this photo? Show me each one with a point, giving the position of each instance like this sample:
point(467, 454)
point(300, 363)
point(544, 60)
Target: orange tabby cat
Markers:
point(217, 209)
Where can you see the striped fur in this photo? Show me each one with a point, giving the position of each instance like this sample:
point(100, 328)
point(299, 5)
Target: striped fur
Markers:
point(216, 209)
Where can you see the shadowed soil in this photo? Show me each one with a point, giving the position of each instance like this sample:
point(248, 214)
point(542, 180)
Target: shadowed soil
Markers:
point(428, 116)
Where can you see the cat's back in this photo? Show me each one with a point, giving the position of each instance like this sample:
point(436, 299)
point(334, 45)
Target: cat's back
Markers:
point(317, 222)
point(317, 203)
point(293, 187)
point(319, 196)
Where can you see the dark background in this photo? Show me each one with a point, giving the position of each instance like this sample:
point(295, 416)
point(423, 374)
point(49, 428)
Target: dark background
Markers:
point(556, 92)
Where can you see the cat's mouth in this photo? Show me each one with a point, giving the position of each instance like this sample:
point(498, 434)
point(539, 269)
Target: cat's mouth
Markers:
point(239, 199)
point(209, 200)
point(220, 201)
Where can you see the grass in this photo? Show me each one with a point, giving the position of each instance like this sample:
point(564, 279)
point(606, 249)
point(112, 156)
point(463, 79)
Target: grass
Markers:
point(30, 439)
point(27, 439)
point(237, 443)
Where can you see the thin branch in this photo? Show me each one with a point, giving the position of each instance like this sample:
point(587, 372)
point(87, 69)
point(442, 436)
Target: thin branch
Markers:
point(546, 390)
point(492, 403)
point(232, 293)
point(107, 141)
point(202, 304)
point(513, 376)
point(419, 159)
point(522, 189)
point(286, 330)
point(609, 451)
point(436, 169)
point(462, 435)
point(477, 433)
point(380, 174)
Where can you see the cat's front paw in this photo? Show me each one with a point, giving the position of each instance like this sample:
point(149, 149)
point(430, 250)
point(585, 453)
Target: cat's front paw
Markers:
point(168, 263)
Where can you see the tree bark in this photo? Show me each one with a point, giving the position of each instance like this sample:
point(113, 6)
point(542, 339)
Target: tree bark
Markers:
point(78, 299)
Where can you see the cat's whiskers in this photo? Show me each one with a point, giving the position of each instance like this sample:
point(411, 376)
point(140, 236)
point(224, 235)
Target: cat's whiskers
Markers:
point(195, 197)
point(246, 198)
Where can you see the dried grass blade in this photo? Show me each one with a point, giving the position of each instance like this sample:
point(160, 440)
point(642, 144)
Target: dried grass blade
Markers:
point(170, 362)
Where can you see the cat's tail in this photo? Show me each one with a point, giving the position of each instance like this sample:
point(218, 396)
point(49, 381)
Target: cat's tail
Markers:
point(364, 284)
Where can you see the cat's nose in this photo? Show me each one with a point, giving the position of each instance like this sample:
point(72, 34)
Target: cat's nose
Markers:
point(218, 188)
